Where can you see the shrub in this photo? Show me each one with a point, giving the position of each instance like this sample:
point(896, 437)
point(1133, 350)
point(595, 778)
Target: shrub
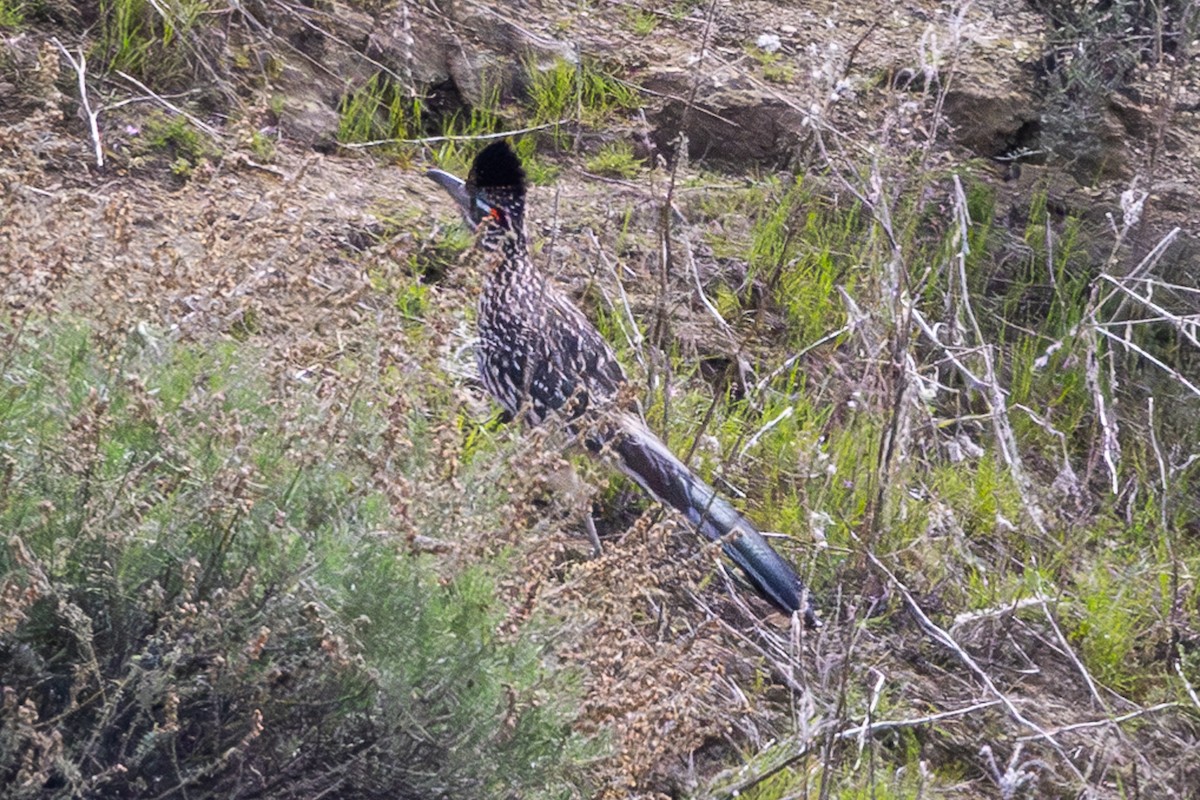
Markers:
point(203, 597)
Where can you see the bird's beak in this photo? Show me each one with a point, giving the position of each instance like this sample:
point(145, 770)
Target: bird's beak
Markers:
point(457, 189)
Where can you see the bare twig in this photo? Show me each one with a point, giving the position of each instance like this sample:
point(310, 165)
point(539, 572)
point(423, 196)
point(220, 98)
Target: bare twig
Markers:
point(946, 640)
point(1101, 723)
point(753, 440)
point(1167, 531)
point(1124, 341)
point(476, 137)
point(80, 68)
point(1070, 653)
point(712, 310)
point(872, 704)
point(915, 722)
point(633, 334)
point(1110, 442)
point(1005, 437)
point(1186, 324)
point(1187, 685)
point(985, 613)
point(666, 255)
point(761, 386)
point(167, 104)
point(302, 13)
point(803, 747)
point(973, 380)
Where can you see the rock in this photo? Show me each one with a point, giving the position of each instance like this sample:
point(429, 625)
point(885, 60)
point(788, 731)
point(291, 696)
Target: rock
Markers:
point(473, 53)
point(313, 77)
point(309, 114)
point(734, 124)
point(449, 65)
point(991, 121)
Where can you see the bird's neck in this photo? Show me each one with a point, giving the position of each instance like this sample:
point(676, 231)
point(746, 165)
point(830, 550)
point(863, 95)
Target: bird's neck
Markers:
point(512, 259)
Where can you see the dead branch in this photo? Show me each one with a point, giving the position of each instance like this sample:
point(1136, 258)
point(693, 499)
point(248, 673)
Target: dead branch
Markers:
point(80, 68)
point(167, 104)
point(476, 137)
point(1107, 721)
point(946, 640)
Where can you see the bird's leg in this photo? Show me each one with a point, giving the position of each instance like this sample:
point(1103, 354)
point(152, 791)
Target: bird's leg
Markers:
point(593, 537)
point(566, 481)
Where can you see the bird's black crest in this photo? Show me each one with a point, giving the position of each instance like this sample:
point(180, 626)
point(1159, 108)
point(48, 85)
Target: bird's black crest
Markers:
point(497, 165)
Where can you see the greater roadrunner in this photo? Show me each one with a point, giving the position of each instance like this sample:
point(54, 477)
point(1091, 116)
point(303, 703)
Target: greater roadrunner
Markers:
point(539, 355)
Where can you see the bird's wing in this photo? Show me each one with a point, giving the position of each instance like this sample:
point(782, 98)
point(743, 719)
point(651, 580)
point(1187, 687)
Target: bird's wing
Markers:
point(583, 353)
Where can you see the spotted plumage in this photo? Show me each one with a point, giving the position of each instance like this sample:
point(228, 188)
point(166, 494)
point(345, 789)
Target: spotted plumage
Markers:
point(539, 355)
point(537, 352)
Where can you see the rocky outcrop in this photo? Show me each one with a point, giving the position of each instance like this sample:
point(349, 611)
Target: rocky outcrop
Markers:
point(731, 124)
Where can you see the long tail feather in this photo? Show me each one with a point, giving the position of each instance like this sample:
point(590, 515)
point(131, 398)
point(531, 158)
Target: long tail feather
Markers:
point(643, 457)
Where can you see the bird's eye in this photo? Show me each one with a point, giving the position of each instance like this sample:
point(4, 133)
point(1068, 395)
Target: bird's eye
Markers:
point(489, 211)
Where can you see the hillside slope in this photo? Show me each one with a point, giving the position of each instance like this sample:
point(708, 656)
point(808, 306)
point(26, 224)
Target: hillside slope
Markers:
point(918, 294)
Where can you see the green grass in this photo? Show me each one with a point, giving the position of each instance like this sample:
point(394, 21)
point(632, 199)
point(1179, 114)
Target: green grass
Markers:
point(800, 251)
point(958, 527)
point(616, 160)
point(379, 109)
point(175, 139)
point(775, 68)
point(1109, 622)
point(261, 146)
point(584, 93)
point(209, 592)
point(12, 13)
point(890, 768)
point(680, 9)
point(148, 40)
point(195, 536)
point(641, 22)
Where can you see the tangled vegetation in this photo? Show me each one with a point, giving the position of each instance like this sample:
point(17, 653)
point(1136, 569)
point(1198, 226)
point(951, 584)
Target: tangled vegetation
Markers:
point(205, 595)
point(266, 537)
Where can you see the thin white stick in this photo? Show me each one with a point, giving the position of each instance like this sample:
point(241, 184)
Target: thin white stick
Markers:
point(1005, 437)
point(165, 103)
point(633, 333)
point(872, 704)
point(1193, 388)
point(985, 613)
point(1145, 264)
point(973, 380)
point(1186, 683)
point(775, 373)
point(787, 412)
point(1070, 653)
point(1175, 287)
point(1162, 470)
point(1184, 323)
point(946, 640)
point(480, 137)
point(1109, 427)
point(893, 724)
point(804, 744)
point(80, 68)
point(687, 248)
point(1100, 723)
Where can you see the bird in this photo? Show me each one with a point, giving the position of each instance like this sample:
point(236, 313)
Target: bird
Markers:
point(539, 356)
